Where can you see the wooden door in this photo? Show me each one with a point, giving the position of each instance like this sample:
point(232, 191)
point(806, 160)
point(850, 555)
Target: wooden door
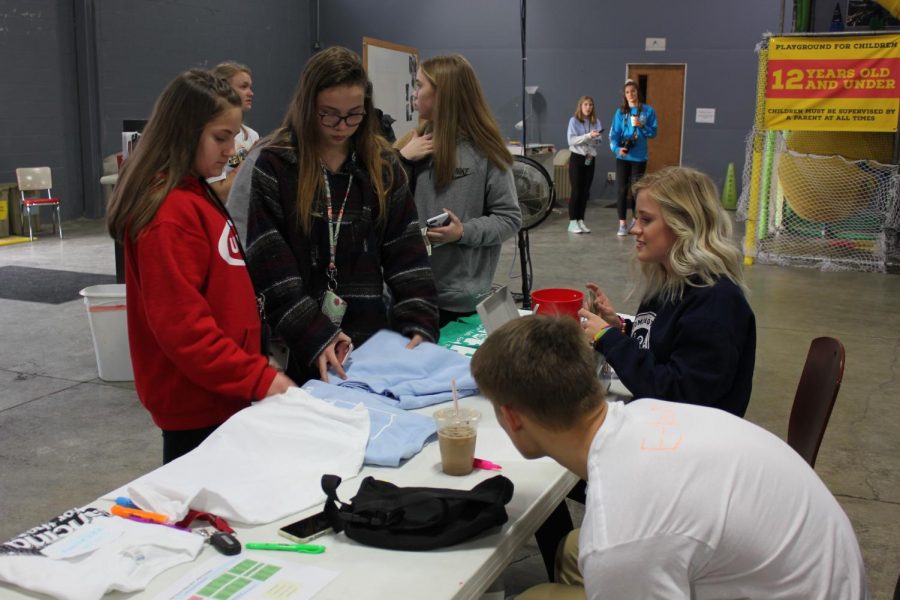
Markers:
point(662, 87)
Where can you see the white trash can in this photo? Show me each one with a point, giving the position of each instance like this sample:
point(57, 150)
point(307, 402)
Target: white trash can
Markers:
point(106, 313)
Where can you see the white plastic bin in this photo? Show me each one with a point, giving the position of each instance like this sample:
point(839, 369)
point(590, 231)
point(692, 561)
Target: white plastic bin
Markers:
point(106, 313)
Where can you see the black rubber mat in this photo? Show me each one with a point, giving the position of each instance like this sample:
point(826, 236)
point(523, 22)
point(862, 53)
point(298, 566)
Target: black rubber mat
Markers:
point(47, 286)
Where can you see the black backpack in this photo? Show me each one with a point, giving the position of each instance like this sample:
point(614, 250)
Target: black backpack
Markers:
point(416, 518)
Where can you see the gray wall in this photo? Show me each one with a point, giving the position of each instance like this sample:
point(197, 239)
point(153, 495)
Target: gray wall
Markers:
point(575, 47)
point(580, 47)
point(140, 46)
point(39, 119)
point(143, 44)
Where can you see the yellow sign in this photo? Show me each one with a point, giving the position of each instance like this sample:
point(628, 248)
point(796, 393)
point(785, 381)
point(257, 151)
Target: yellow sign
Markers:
point(833, 83)
point(4, 210)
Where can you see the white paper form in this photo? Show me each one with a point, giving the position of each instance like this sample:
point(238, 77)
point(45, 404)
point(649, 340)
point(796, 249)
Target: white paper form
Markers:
point(250, 575)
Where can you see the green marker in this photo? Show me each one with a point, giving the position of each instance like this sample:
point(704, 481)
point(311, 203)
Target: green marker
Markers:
point(302, 548)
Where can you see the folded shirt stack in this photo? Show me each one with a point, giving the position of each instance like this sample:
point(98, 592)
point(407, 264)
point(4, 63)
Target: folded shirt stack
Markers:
point(413, 378)
point(394, 434)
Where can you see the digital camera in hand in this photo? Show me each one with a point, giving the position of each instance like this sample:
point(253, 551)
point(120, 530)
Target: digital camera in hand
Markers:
point(628, 143)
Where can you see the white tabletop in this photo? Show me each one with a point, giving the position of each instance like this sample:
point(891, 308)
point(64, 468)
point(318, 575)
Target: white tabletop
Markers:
point(461, 571)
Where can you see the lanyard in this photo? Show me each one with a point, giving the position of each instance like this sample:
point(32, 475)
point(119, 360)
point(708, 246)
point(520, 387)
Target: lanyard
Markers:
point(334, 227)
point(216, 521)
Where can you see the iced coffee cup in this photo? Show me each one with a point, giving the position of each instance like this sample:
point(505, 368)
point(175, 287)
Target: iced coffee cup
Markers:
point(456, 437)
point(635, 121)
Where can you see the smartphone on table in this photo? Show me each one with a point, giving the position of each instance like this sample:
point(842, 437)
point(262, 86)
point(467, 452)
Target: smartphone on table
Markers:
point(306, 530)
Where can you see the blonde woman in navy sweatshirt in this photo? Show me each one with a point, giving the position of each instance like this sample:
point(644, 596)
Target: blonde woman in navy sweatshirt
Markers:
point(693, 339)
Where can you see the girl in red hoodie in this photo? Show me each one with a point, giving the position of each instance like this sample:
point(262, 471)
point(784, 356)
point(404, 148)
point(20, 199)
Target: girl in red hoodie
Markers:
point(193, 324)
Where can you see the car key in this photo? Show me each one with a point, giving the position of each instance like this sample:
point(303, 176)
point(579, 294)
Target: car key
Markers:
point(225, 543)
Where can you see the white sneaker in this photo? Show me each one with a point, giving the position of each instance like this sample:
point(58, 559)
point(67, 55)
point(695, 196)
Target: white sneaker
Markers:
point(584, 228)
point(623, 230)
point(574, 228)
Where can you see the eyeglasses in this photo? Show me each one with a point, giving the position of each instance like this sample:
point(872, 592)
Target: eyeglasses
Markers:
point(332, 120)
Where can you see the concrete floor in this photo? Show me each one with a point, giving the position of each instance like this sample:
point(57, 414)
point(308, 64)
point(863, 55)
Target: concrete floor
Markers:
point(68, 437)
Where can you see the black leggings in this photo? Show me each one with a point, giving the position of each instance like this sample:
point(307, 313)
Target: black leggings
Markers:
point(179, 442)
point(627, 172)
point(581, 176)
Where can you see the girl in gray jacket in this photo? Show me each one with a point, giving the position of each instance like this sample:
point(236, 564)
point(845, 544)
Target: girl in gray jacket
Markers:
point(459, 165)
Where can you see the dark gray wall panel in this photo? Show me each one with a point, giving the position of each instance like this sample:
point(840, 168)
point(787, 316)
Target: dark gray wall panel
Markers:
point(39, 119)
point(144, 44)
point(141, 45)
point(579, 47)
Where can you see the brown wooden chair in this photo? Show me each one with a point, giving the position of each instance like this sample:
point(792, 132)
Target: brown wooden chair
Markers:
point(816, 393)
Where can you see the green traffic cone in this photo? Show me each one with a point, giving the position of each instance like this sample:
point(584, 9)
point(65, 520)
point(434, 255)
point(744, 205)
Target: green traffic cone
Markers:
point(729, 194)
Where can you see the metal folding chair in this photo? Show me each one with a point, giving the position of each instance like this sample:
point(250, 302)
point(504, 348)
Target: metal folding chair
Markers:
point(37, 180)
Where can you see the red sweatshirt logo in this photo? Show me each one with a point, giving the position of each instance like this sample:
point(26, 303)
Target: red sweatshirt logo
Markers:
point(228, 247)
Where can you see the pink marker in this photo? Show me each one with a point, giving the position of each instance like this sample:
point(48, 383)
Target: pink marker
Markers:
point(480, 463)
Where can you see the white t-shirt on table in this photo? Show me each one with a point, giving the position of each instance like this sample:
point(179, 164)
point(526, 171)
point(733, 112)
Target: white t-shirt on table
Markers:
point(691, 502)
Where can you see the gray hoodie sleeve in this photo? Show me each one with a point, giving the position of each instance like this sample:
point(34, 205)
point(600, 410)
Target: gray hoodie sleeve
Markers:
point(239, 197)
point(502, 216)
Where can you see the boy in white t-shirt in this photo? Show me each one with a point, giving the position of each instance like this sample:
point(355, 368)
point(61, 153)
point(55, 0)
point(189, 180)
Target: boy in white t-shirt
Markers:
point(683, 501)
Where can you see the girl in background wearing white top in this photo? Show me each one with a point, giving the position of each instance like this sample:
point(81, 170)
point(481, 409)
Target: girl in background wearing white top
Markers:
point(584, 138)
point(240, 79)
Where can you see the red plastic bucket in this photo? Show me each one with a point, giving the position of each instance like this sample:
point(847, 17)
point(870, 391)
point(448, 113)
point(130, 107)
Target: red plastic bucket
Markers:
point(555, 302)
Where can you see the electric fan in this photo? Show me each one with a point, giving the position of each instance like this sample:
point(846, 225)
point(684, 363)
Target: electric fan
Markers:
point(534, 188)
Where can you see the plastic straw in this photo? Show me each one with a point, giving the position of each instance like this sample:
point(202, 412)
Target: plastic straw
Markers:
point(455, 397)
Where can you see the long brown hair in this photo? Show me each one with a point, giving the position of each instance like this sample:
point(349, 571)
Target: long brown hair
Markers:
point(580, 115)
point(167, 149)
point(640, 101)
point(299, 129)
point(461, 112)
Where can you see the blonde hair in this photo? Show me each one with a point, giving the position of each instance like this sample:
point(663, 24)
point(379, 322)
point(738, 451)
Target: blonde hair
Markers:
point(461, 112)
point(228, 69)
point(167, 149)
point(580, 115)
point(703, 250)
point(332, 67)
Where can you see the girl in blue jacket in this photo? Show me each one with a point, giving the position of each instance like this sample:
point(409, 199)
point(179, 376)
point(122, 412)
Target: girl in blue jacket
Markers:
point(632, 125)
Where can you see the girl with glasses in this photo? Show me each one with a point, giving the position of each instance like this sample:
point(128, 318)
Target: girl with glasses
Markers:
point(331, 225)
point(459, 164)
